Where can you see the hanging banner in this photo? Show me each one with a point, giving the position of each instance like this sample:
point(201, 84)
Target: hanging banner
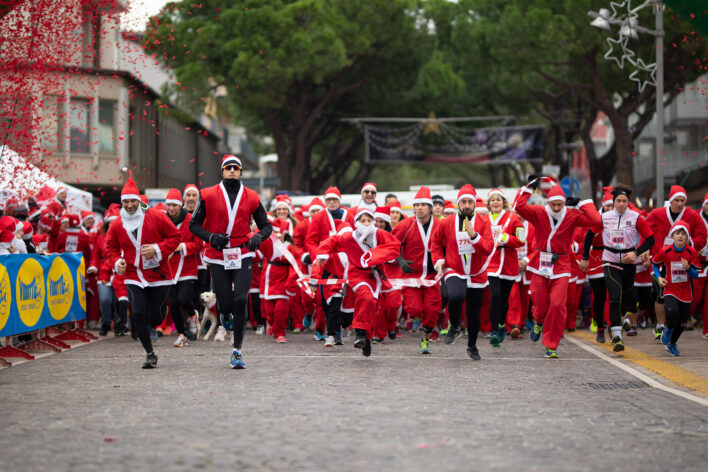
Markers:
point(440, 141)
point(40, 291)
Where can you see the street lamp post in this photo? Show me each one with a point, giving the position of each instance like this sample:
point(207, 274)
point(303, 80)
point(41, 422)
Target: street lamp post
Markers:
point(629, 29)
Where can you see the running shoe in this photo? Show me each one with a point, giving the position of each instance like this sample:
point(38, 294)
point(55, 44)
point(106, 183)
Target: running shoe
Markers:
point(617, 344)
point(360, 340)
point(551, 354)
point(227, 321)
point(366, 350)
point(181, 341)
point(673, 350)
point(501, 333)
point(473, 353)
point(666, 336)
point(536, 332)
point(632, 331)
point(153, 335)
point(392, 335)
point(443, 332)
point(338, 339)
point(329, 341)
point(297, 331)
point(150, 361)
point(657, 333)
point(424, 349)
point(260, 330)
point(190, 336)
point(600, 336)
point(281, 340)
point(516, 332)
point(193, 324)
point(104, 330)
point(434, 337)
point(307, 321)
point(415, 327)
point(593, 327)
point(642, 321)
point(376, 340)
point(705, 336)
point(237, 361)
point(269, 329)
point(626, 324)
point(494, 339)
point(319, 336)
point(220, 334)
point(452, 335)
point(120, 331)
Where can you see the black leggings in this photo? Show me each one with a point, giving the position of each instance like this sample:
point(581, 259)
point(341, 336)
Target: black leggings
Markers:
point(677, 313)
point(181, 302)
point(231, 289)
point(644, 298)
point(201, 285)
point(599, 293)
point(459, 293)
point(499, 290)
point(620, 285)
point(147, 310)
point(255, 301)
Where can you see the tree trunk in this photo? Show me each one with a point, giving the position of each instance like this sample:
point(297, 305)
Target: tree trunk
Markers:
point(624, 148)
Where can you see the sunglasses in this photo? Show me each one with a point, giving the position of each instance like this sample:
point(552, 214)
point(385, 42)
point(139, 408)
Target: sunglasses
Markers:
point(372, 192)
point(231, 167)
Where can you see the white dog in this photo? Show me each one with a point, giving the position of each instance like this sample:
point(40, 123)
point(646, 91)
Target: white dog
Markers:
point(209, 301)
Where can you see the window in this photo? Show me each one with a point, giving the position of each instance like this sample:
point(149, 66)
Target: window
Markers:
point(106, 126)
point(49, 127)
point(79, 122)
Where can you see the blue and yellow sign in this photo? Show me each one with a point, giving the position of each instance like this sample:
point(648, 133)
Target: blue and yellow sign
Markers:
point(40, 291)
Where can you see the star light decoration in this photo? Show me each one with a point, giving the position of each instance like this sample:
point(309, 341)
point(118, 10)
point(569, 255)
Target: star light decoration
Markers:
point(619, 52)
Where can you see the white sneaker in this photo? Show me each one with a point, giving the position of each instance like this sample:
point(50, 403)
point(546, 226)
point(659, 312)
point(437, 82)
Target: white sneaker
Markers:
point(260, 330)
point(193, 323)
point(329, 341)
point(181, 341)
point(705, 336)
point(220, 334)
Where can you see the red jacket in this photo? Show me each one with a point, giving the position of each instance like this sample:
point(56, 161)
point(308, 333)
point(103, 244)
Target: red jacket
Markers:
point(184, 264)
point(74, 240)
point(276, 269)
point(235, 221)
point(446, 247)
point(322, 226)
point(415, 246)
point(505, 262)
point(156, 230)
point(679, 283)
point(300, 233)
point(526, 251)
point(99, 260)
point(555, 239)
point(361, 258)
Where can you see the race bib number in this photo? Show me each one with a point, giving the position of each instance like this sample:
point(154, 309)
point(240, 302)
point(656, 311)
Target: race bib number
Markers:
point(678, 273)
point(72, 242)
point(150, 262)
point(464, 243)
point(545, 265)
point(232, 258)
point(617, 238)
point(668, 241)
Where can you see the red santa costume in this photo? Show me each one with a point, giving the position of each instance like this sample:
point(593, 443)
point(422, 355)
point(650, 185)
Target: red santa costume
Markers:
point(551, 263)
point(519, 297)
point(700, 285)
point(366, 248)
point(390, 300)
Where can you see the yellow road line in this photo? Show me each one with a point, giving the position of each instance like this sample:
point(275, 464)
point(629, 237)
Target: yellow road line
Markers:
point(676, 374)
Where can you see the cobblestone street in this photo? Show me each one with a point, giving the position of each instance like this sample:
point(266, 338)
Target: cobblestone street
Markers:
point(300, 407)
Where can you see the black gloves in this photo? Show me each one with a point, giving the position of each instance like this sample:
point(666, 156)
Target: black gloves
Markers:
point(404, 265)
point(255, 242)
point(218, 241)
point(306, 259)
point(572, 201)
point(534, 185)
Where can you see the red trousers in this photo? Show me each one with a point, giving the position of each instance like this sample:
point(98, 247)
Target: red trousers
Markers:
point(423, 302)
point(276, 312)
point(700, 294)
point(364, 309)
point(387, 314)
point(518, 305)
point(297, 310)
point(549, 298)
point(574, 292)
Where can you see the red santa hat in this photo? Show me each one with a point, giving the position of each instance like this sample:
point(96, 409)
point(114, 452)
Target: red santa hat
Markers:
point(27, 230)
point(607, 198)
point(363, 211)
point(110, 215)
point(283, 201)
point(467, 191)
point(144, 199)
point(315, 204)
point(449, 207)
point(423, 196)
point(495, 191)
point(384, 213)
point(705, 199)
point(333, 192)
point(480, 206)
point(174, 197)
point(34, 212)
point(229, 160)
point(680, 224)
point(342, 227)
point(190, 188)
point(60, 189)
point(6, 236)
point(130, 189)
point(556, 194)
point(74, 220)
point(8, 223)
point(41, 240)
point(368, 186)
point(676, 191)
point(160, 206)
point(85, 215)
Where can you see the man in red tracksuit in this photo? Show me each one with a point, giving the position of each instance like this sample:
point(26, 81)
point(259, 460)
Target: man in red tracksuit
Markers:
point(415, 234)
point(554, 224)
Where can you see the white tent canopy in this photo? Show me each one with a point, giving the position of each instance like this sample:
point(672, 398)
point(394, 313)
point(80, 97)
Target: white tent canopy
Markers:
point(20, 179)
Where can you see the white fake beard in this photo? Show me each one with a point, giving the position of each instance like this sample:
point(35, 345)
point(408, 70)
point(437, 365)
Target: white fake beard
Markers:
point(369, 206)
point(132, 222)
point(364, 233)
point(554, 214)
